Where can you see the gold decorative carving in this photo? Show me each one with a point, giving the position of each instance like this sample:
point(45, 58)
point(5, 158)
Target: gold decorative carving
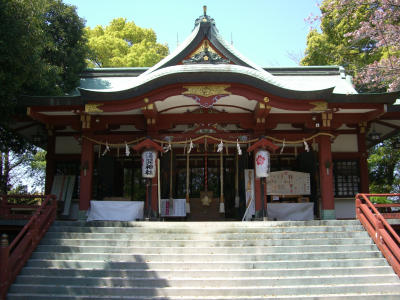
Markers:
point(205, 45)
point(262, 106)
point(28, 111)
point(206, 90)
point(93, 108)
point(319, 106)
point(150, 106)
point(146, 100)
point(266, 99)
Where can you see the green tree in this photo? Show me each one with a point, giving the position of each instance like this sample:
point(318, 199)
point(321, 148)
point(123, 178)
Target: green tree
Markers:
point(42, 52)
point(123, 44)
point(332, 45)
point(384, 167)
point(361, 35)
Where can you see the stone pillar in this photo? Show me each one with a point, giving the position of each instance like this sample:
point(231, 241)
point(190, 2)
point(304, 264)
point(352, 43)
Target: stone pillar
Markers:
point(87, 156)
point(362, 149)
point(326, 178)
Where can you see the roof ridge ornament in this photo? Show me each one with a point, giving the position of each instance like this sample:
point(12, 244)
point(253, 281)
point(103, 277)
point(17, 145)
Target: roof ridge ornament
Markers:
point(204, 18)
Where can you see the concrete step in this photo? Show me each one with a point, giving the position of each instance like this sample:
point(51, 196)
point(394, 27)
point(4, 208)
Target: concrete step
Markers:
point(189, 291)
point(205, 242)
point(212, 282)
point(210, 260)
point(206, 250)
point(370, 296)
point(206, 258)
point(216, 236)
point(211, 224)
point(200, 273)
point(232, 265)
point(202, 230)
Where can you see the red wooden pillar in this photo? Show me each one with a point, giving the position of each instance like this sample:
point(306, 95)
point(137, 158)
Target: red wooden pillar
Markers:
point(362, 149)
point(50, 163)
point(154, 193)
point(86, 174)
point(326, 178)
point(258, 196)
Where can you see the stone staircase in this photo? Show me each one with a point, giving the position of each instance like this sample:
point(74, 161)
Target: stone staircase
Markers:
point(206, 260)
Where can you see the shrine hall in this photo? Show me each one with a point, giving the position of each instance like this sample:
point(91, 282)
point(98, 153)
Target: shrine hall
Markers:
point(208, 135)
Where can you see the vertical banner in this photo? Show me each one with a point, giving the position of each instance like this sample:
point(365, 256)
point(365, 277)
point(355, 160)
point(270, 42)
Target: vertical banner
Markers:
point(250, 201)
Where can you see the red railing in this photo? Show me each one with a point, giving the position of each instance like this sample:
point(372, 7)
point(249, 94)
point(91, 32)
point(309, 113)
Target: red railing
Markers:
point(378, 228)
point(14, 256)
point(19, 206)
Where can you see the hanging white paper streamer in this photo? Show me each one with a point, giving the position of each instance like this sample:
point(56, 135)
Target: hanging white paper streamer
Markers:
point(106, 150)
point(306, 145)
point(190, 146)
point(167, 148)
point(220, 147)
point(238, 147)
point(127, 151)
point(283, 146)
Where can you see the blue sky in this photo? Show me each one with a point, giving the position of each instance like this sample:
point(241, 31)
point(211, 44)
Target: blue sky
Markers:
point(265, 31)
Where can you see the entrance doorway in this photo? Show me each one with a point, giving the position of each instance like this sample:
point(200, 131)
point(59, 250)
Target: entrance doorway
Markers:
point(200, 181)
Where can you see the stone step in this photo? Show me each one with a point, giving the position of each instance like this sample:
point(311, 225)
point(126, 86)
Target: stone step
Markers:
point(289, 264)
point(206, 250)
point(206, 258)
point(202, 230)
point(212, 282)
point(199, 273)
point(211, 224)
point(204, 242)
point(188, 291)
point(193, 236)
point(387, 295)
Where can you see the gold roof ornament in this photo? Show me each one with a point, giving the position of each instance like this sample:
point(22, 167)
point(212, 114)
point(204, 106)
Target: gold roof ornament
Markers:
point(206, 90)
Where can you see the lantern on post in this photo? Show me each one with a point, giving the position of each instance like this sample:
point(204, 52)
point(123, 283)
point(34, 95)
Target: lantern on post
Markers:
point(262, 150)
point(149, 150)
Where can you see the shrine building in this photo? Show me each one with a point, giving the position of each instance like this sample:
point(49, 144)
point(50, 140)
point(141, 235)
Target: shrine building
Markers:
point(204, 113)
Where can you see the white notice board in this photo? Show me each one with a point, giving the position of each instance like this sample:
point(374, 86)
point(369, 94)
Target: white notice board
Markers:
point(288, 183)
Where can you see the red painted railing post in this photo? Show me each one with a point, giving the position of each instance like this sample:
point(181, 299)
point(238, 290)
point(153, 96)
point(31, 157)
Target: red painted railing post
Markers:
point(4, 253)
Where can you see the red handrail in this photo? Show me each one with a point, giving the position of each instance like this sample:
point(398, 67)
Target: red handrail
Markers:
point(14, 256)
point(378, 228)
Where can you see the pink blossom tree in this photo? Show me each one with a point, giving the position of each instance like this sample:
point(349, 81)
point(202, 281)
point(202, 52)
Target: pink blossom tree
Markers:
point(372, 25)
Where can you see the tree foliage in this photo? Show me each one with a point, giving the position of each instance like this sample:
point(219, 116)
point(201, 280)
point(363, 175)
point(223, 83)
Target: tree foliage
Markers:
point(384, 167)
point(364, 37)
point(123, 44)
point(42, 52)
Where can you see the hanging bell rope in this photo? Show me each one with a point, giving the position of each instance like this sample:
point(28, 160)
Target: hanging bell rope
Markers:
point(221, 200)
point(187, 183)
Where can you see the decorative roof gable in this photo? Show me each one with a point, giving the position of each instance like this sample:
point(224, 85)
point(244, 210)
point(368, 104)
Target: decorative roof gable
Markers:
point(204, 46)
